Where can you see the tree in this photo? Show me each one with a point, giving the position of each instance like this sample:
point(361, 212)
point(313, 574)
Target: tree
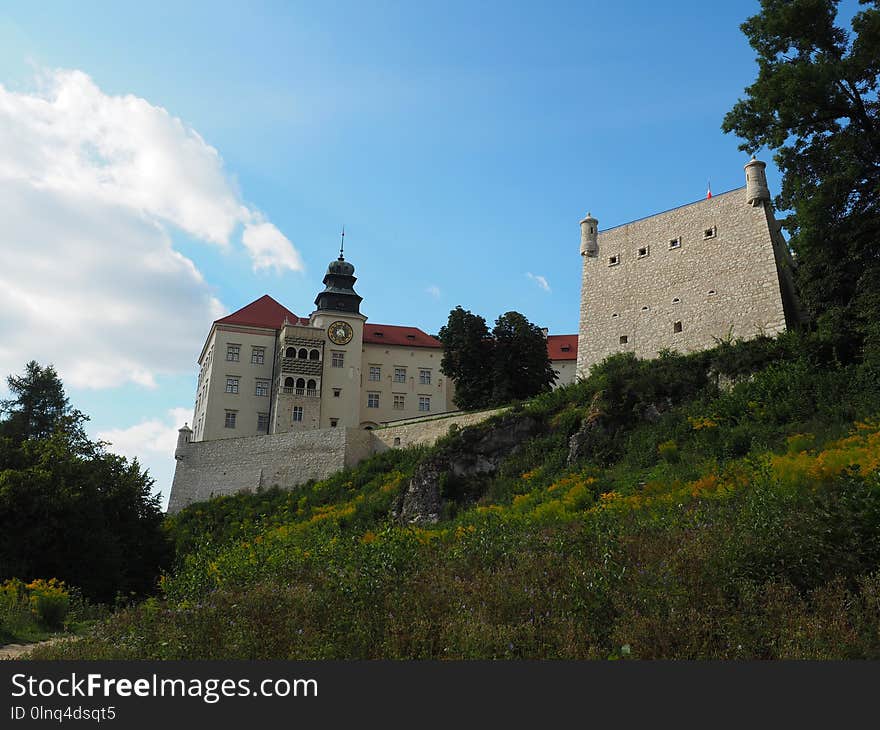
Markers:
point(39, 406)
point(69, 509)
point(510, 364)
point(522, 366)
point(467, 358)
point(815, 103)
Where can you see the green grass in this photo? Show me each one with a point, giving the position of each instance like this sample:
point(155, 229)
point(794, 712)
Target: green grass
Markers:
point(699, 522)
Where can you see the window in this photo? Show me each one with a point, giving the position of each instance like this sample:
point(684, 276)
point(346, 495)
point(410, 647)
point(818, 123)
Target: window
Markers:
point(397, 440)
point(290, 352)
point(676, 327)
point(232, 385)
point(375, 373)
point(676, 300)
point(262, 387)
point(314, 355)
point(675, 243)
point(312, 389)
point(337, 392)
point(711, 293)
point(644, 251)
point(338, 360)
point(710, 232)
point(303, 353)
point(615, 315)
point(334, 422)
point(613, 260)
point(566, 348)
point(232, 352)
point(230, 419)
point(399, 401)
point(297, 414)
point(258, 355)
point(372, 400)
point(399, 375)
point(624, 339)
point(645, 308)
point(262, 422)
point(424, 403)
point(424, 376)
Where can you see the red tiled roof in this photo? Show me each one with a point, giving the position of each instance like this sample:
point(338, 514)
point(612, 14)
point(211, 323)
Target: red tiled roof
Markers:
point(562, 347)
point(264, 312)
point(390, 334)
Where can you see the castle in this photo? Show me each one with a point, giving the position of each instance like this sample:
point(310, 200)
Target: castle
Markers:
point(283, 399)
point(684, 279)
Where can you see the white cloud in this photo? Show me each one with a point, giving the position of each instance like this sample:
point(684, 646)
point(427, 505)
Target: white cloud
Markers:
point(148, 438)
point(269, 248)
point(90, 187)
point(539, 280)
point(434, 291)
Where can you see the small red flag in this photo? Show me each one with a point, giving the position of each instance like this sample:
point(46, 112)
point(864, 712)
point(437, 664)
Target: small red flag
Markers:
point(709, 190)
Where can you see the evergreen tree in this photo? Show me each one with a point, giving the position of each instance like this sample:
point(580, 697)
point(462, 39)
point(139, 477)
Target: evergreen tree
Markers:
point(69, 509)
point(815, 103)
point(467, 358)
point(522, 366)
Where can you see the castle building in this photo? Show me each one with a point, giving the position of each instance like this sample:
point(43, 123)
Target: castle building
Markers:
point(684, 279)
point(265, 370)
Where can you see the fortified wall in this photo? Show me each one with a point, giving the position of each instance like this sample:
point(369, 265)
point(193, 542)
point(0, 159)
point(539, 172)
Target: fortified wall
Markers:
point(207, 469)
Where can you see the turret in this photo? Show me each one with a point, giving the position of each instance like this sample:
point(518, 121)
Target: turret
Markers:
point(184, 437)
point(756, 182)
point(589, 236)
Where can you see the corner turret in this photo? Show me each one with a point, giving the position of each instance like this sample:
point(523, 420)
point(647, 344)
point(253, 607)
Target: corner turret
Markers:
point(757, 191)
point(184, 438)
point(589, 236)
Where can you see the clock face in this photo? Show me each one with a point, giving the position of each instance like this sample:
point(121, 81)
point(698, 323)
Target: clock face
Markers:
point(340, 333)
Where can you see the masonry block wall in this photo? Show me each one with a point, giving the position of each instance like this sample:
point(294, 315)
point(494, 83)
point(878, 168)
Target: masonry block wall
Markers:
point(682, 279)
point(207, 469)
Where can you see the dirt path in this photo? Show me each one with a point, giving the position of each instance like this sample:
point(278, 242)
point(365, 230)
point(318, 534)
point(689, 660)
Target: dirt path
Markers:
point(14, 651)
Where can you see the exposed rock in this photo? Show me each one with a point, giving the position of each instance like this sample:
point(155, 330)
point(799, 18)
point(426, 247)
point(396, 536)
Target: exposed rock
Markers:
point(476, 451)
point(577, 444)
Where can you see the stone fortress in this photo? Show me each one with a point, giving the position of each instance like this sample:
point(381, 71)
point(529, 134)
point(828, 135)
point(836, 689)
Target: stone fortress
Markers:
point(283, 399)
point(684, 279)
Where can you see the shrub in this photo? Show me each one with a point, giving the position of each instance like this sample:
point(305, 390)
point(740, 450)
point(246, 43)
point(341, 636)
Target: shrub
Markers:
point(50, 602)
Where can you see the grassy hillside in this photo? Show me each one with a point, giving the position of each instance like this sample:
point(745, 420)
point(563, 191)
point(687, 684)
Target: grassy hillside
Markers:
point(719, 505)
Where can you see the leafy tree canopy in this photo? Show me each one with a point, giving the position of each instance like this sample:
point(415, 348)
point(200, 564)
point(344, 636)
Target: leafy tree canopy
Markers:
point(509, 364)
point(815, 103)
point(69, 509)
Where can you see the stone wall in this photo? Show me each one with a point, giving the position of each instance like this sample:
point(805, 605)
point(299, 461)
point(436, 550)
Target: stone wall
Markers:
point(425, 432)
point(681, 296)
point(208, 469)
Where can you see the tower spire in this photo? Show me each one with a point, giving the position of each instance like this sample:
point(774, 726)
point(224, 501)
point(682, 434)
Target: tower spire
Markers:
point(342, 245)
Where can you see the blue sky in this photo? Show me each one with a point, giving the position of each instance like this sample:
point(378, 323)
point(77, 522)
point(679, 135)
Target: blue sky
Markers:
point(459, 143)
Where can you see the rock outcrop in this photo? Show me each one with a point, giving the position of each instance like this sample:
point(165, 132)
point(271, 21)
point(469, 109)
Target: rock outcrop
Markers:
point(473, 452)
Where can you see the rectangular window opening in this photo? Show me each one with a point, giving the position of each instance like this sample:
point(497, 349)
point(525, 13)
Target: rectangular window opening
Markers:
point(675, 243)
point(676, 327)
point(710, 232)
point(613, 260)
point(297, 414)
point(624, 339)
point(643, 252)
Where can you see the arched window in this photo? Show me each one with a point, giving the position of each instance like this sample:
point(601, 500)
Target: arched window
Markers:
point(314, 355)
point(300, 382)
point(303, 353)
point(288, 382)
point(290, 352)
point(311, 385)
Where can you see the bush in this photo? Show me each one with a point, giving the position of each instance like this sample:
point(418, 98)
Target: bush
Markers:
point(50, 602)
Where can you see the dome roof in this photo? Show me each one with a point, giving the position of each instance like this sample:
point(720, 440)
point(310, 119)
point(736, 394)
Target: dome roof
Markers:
point(340, 266)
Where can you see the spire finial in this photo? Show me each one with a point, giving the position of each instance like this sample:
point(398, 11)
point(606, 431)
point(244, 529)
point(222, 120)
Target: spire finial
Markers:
point(342, 245)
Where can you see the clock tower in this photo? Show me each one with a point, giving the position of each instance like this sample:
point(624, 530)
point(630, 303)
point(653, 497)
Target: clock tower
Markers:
point(338, 314)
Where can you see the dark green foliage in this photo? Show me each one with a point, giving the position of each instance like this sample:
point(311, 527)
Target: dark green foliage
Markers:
point(68, 509)
point(521, 368)
point(815, 103)
point(512, 364)
point(467, 357)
